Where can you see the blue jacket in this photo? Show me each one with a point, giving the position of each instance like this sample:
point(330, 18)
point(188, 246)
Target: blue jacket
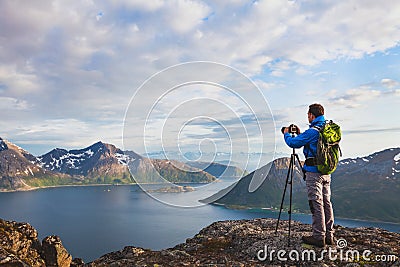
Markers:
point(308, 139)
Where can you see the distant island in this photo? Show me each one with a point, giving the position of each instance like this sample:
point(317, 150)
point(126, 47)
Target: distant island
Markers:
point(172, 189)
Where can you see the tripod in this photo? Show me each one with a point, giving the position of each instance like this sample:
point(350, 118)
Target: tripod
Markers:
point(290, 172)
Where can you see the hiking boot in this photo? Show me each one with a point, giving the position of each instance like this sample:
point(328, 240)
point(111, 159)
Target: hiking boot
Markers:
point(312, 241)
point(330, 240)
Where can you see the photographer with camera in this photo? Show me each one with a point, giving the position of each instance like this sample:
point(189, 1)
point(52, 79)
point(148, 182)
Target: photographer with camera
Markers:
point(318, 185)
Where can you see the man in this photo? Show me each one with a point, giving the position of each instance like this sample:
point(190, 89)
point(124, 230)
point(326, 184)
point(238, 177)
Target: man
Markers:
point(318, 185)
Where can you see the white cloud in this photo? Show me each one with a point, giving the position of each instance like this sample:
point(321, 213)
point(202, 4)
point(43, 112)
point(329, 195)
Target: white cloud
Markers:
point(184, 15)
point(302, 71)
point(279, 68)
point(20, 80)
point(83, 60)
point(11, 104)
point(149, 5)
point(57, 126)
point(267, 86)
point(66, 133)
point(356, 97)
point(389, 83)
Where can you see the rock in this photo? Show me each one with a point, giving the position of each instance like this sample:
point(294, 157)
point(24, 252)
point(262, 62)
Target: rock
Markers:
point(237, 243)
point(77, 262)
point(54, 252)
point(19, 246)
point(7, 259)
point(224, 243)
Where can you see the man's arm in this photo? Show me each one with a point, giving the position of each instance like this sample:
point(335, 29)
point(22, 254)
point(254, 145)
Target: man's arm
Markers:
point(302, 139)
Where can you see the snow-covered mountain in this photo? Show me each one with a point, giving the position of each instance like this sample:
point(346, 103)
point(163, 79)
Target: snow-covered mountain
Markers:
point(104, 163)
point(98, 163)
point(383, 165)
point(98, 159)
point(21, 170)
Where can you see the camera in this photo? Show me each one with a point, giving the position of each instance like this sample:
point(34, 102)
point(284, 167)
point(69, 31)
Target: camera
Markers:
point(293, 129)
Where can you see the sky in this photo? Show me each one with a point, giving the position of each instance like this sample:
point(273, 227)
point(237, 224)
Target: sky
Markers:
point(74, 73)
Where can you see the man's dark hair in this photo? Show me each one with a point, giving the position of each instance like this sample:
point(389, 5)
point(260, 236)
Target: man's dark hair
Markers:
point(316, 110)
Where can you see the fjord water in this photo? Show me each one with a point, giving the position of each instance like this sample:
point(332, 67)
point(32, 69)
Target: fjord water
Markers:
point(94, 220)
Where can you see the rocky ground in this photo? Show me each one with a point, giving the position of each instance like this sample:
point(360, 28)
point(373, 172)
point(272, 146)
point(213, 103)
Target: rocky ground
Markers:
point(19, 246)
point(225, 243)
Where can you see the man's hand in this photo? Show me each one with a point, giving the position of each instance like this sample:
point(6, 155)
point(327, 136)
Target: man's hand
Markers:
point(286, 130)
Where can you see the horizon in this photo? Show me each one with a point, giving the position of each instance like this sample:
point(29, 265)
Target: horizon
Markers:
point(69, 72)
point(99, 141)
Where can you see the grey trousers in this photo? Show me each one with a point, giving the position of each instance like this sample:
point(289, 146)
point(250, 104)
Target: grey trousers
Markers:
point(319, 199)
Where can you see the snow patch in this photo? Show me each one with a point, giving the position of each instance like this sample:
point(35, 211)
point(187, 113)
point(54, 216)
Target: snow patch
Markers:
point(364, 159)
point(89, 152)
point(3, 145)
point(397, 157)
point(122, 158)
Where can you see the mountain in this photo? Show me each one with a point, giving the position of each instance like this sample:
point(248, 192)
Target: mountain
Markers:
point(218, 170)
point(368, 187)
point(148, 170)
point(21, 170)
point(243, 160)
point(365, 188)
point(269, 194)
point(97, 164)
point(104, 163)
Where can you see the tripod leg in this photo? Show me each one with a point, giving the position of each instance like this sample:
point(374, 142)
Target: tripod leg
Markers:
point(284, 191)
point(294, 156)
point(298, 160)
point(291, 191)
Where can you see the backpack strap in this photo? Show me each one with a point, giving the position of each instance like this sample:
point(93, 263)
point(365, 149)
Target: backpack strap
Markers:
point(316, 128)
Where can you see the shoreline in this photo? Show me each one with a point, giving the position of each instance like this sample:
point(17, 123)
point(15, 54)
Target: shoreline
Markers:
point(274, 210)
point(52, 186)
point(234, 207)
point(78, 185)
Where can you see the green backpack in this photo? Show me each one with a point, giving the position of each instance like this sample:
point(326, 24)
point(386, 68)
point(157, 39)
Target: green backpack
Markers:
point(328, 149)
